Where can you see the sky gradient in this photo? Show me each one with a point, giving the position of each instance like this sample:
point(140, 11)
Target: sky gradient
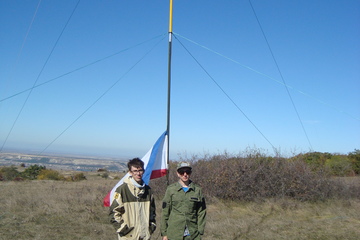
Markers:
point(245, 75)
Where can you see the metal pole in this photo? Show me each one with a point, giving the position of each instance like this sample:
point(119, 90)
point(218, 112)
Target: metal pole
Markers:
point(169, 89)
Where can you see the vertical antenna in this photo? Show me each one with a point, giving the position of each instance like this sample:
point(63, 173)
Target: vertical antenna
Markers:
point(169, 89)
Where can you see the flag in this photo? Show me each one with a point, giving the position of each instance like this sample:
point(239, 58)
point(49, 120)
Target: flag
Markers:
point(155, 165)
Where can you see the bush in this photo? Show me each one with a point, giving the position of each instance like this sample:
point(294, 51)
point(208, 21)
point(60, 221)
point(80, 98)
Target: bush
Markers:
point(48, 174)
point(32, 172)
point(260, 177)
point(339, 165)
point(105, 175)
point(257, 177)
point(79, 177)
point(9, 173)
point(315, 160)
point(354, 158)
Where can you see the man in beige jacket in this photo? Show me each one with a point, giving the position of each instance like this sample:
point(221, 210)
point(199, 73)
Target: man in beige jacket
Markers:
point(132, 212)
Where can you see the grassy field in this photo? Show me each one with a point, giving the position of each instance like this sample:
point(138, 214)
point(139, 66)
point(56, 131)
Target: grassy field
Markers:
point(73, 210)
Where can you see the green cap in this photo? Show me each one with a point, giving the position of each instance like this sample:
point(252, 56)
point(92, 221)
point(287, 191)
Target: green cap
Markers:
point(183, 165)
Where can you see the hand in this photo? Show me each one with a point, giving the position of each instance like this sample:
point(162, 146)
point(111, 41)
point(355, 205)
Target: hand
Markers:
point(164, 238)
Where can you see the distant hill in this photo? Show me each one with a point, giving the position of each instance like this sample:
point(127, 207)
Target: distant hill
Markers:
point(63, 162)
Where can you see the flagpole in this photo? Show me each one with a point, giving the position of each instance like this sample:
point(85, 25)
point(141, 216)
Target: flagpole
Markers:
point(169, 89)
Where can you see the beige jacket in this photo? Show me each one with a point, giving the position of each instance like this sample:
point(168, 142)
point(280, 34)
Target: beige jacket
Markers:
point(132, 212)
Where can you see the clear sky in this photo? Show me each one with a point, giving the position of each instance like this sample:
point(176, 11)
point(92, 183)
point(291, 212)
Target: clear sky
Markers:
point(102, 73)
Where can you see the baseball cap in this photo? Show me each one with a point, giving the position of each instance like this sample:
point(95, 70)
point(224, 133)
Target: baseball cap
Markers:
point(183, 165)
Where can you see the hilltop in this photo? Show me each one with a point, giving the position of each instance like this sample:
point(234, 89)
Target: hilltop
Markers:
point(63, 162)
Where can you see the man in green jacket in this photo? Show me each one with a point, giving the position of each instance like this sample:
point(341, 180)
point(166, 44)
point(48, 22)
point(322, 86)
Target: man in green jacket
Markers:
point(183, 208)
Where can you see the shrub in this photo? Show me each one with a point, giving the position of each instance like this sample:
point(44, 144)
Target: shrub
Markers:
point(48, 174)
point(105, 175)
point(32, 172)
point(18, 179)
point(339, 165)
point(354, 158)
point(79, 177)
point(8, 173)
point(315, 160)
point(257, 177)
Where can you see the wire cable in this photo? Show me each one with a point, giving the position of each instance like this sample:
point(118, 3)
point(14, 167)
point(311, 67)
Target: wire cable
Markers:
point(101, 96)
point(42, 69)
point(24, 41)
point(267, 76)
point(79, 68)
point(227, 95)
point(282, 77)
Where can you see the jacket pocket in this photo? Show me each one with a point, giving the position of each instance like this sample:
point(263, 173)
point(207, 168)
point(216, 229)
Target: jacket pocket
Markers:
point(195, 203)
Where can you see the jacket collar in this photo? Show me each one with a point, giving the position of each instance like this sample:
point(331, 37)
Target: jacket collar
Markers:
point(191, 185)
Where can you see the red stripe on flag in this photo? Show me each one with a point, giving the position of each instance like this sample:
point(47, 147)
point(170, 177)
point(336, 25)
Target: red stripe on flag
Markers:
point(106, 201)
point(158, 173)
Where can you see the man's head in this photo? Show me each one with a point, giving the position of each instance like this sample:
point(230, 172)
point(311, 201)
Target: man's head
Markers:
point(136, 169)
point(184, 171)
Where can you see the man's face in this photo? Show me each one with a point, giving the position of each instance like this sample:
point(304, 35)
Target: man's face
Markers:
point(137, 173)
point(184, 174)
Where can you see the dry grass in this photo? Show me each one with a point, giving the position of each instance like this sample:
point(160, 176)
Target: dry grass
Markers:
point(73, 210)
point(284, 219)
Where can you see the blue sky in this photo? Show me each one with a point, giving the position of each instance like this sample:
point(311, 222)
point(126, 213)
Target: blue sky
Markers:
point(228, 91)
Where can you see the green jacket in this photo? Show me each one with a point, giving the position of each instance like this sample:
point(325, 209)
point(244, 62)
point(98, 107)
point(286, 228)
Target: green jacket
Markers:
point(181, 209)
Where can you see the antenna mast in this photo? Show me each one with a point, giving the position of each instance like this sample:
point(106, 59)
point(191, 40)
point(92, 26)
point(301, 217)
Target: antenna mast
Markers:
point(169, 88)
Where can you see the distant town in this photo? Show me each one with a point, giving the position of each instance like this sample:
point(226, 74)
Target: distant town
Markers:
point(62, 162)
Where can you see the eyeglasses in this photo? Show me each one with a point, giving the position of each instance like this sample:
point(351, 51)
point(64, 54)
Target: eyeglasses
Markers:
point(138, 171)
point(182, 171)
